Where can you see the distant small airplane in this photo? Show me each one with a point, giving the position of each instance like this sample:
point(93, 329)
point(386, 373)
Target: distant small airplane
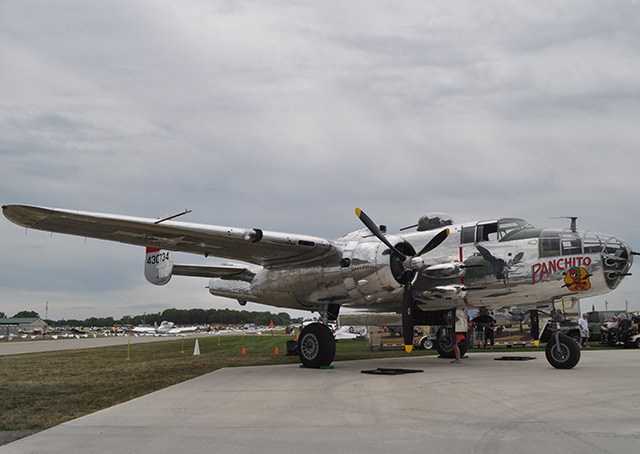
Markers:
point(349, 332)
point(425, 275)
point(165, 328)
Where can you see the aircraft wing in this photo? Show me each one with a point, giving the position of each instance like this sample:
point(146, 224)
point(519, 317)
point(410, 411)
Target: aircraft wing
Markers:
point(250, 245)
point(183, 329)
point(143, 329)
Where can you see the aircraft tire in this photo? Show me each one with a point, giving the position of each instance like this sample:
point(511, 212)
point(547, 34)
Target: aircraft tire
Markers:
point(565, 355)
point(316, 346)
point(426, 344)
point(444, 344)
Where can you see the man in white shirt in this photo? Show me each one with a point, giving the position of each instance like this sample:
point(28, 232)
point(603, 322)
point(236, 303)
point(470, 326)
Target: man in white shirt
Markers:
point(584, 331)
point(461, 325)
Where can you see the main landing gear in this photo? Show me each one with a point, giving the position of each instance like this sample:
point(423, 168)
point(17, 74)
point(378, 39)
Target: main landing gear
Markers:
point(316, 346)
point(444, 343)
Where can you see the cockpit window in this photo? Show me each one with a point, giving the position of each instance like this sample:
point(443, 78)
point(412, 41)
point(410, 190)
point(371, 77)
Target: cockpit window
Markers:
point(509, 227)
point(503, 230)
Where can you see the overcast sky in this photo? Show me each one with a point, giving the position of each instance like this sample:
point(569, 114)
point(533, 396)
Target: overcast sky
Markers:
point(287, 115)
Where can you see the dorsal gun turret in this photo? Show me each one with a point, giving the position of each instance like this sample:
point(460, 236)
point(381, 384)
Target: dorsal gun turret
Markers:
point(434, 221)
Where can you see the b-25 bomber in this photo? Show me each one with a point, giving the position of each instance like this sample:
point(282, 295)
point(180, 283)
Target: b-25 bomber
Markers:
point(424, 272)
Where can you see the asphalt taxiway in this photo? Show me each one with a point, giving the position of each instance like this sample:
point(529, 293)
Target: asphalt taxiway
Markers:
point(17, 347)
point(481, 406)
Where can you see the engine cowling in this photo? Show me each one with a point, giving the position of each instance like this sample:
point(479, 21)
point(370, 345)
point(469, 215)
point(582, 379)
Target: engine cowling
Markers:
point(448, 292)
point(450, 270)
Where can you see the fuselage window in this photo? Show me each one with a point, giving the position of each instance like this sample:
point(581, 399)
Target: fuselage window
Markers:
point(592, 244)
point(571, 245)
point(549, 244)
point(468, 235)
point(487, 232)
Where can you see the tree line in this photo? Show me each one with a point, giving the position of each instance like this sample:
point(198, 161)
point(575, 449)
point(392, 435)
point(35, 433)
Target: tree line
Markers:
point(212, 317)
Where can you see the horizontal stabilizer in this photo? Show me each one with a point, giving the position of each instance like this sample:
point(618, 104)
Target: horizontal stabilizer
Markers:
point(231, 272)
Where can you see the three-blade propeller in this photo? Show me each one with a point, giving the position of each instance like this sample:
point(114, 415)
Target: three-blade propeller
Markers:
point(408, 276)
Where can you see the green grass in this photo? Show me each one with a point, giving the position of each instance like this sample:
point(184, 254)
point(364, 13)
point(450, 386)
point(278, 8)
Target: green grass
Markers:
point(41, 390)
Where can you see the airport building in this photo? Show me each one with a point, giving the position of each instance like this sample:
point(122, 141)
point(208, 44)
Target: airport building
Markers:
point(11, 326)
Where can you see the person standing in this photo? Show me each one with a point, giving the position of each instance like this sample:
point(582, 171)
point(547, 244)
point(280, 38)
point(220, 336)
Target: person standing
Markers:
point(488, 333)
point(624, 328)
point(584, 331)
point(479, 334)
point(460, 326)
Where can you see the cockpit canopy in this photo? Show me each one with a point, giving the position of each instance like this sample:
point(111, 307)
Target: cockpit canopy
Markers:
point(504, 229)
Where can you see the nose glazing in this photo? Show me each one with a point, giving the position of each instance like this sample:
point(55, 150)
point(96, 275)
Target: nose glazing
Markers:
point(617, 259)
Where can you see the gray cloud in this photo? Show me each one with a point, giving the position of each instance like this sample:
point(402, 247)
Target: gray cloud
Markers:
point(286, 116)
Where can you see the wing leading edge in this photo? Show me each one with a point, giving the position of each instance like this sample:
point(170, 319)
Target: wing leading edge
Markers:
point(250, 245)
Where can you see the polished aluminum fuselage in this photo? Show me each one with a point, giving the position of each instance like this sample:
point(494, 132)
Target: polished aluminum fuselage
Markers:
point(519, 272)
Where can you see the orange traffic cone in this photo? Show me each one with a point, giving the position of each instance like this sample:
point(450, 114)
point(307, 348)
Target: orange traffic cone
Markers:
point(243, 351)
point(276, 350)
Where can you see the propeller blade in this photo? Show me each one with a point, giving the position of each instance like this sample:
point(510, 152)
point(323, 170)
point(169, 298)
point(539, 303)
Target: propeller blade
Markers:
point(435, 242)
point(408, 307)
point(368, 222)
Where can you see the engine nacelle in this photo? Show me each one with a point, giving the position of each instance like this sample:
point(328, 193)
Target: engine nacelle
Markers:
point(158, 266)
point(451, 270)
point(448, 292)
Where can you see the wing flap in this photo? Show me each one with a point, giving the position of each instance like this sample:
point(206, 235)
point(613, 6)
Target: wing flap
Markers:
point(249, 245)
point(235, 273)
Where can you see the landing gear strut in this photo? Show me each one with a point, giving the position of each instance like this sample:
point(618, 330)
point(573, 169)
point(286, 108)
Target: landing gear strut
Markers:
point(316, 346)
point(445, 337)
point(562, 351)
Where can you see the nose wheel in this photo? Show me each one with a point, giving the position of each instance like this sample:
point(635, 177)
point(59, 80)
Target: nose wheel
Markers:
point(562, 352)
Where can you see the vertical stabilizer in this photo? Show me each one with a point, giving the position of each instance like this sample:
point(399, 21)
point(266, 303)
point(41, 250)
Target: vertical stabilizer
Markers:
point(158, 266)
